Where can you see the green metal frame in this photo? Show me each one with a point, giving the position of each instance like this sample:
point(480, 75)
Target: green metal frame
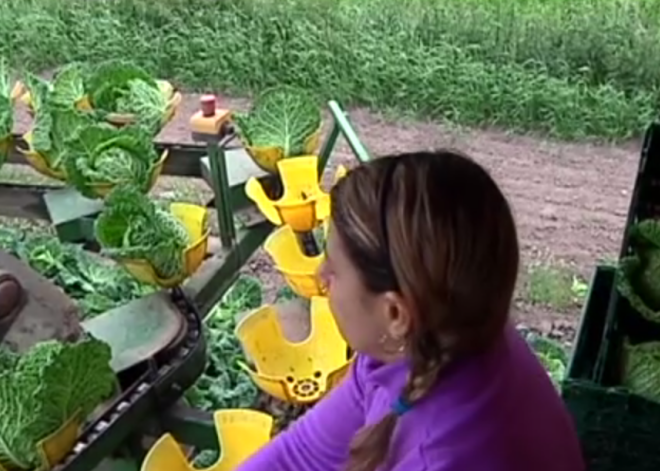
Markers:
point(205, 288)
point(196, 428)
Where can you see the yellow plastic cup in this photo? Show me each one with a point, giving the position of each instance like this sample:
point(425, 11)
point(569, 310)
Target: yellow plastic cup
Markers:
point(194, 218)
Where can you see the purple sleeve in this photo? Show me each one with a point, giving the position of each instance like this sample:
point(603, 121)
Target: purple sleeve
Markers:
point(319, 440)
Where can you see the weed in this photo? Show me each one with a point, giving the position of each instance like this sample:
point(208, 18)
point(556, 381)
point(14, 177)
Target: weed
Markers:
point(566, 68)
point(554, 286)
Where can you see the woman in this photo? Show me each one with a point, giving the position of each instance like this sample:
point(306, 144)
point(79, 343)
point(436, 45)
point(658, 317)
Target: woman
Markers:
point(421, 264)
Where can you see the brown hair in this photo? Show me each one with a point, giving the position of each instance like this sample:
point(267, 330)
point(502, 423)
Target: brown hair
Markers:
point(434, 227)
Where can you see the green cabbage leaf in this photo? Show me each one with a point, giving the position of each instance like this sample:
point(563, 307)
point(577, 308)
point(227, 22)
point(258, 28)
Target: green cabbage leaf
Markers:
point(131, 226)
point(283, 117)
point(117, 86)
point(103, 154)
point(43, 388)
point(638, 275)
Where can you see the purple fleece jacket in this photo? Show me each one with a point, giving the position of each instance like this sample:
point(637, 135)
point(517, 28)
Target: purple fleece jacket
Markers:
point(495, 412)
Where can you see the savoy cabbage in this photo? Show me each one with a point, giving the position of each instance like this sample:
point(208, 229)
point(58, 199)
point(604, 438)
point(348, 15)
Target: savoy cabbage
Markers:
point(43, 389)
point(642, 369)
point(282, 117)
point(117, 86)
point(638, 275)
point(101, 154)
point(131, 226)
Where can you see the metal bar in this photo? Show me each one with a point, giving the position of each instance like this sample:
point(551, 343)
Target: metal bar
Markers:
point(191, 426)
point(218, 273)
point(328, 146)
point(218, 164)
point(347, 130)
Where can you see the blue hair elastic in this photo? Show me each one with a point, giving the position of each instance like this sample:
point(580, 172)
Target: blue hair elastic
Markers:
point(401, 406)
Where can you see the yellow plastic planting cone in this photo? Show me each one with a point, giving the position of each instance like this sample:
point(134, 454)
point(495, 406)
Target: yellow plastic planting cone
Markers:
point(194, 218)
point(299, 270)
point(267, 158)
point(302, 194)
point(323, 206)
point(241, 433)
point(300, 372)
point(39, 161)
point(56, 446)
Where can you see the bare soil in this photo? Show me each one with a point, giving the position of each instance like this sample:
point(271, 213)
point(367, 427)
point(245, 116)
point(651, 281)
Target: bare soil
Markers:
point(570, 200)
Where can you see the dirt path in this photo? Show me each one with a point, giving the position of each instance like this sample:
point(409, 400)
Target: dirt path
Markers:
point(570, 200)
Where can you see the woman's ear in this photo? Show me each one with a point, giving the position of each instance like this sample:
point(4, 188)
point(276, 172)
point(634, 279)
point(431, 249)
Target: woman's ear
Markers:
point(398, 316)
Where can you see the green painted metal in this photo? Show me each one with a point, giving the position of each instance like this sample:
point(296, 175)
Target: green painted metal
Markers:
point(67, 210)
point(191, 427)
point(328, 145)
point(218, 163)
point(213, 281)
point(346, 128)
point(138, 330)
point(240, 168)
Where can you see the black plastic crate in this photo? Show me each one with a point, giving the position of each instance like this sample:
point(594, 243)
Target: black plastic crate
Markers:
point(622, 320)
point(582, 364)
point(618, 431)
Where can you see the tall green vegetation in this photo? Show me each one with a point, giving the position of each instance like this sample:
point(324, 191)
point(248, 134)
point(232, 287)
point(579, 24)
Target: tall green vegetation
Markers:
point(569, 68)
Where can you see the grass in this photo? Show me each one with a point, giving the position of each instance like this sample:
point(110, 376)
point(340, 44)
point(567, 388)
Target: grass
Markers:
point(554, 286)
point(569, 69)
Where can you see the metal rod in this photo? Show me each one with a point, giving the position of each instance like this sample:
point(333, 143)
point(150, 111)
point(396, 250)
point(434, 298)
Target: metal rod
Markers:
point(327, 147)
point(349, 133)
point(218, 165)
point(308, 244)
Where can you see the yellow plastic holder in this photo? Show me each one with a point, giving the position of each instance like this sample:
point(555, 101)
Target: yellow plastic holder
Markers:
point(302, 195)
point(323, 205)
point(6, 144)
point(267, 158)
point(56, 446)
point(195, 220)
point(299, 270)
point(38, 161)
point(241, 433)
point(300, 372)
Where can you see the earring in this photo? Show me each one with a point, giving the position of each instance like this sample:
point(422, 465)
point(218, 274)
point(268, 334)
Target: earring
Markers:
point(384, 339)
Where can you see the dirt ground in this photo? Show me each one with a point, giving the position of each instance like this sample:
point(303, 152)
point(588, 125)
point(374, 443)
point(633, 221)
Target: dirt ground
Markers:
point(570, 200)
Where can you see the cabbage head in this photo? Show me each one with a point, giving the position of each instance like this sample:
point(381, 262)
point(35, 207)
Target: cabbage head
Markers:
point(132, 226)
point(118, 86)
point(103, 154)
point(52, 129)
point(642, 369)
point(282, 117)
point(638, 275)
